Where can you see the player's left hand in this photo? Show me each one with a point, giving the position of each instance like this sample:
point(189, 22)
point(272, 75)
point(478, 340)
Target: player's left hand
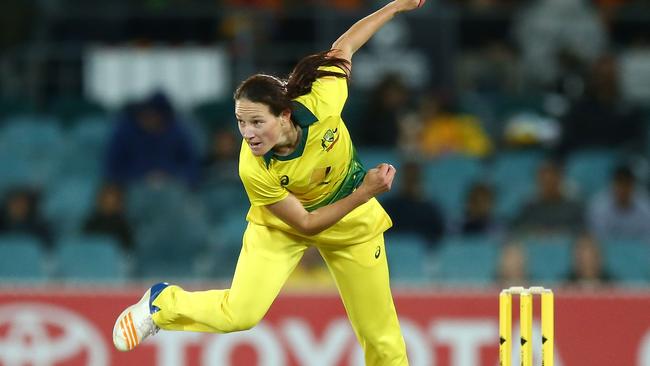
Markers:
point(378, 180)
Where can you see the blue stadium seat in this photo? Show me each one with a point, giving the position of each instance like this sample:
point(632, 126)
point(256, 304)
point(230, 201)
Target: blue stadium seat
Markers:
point(35, 142)
point(13, 173)
point(147, 203)
point(92, 131)
point(372, 156)
point(406, 257)
point(22, 258)
point(90, 258)
point(469, 260)
point(513, 176)
point(591, 169)
point(68, 202)
point(68, 108)
point(627, 260)
point(219, 262)
point(446, 181)
point(231, 228)
point(220, 200)
point(549, 259)
point(85, 147)
point(168, 246)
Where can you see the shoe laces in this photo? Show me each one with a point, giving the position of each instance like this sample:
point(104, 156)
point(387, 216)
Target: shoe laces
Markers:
point(147, 326)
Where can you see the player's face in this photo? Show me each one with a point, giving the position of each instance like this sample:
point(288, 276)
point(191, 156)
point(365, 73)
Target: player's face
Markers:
point(258, 126)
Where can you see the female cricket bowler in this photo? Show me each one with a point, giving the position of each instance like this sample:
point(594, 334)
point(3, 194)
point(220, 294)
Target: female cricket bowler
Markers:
point(307, 188)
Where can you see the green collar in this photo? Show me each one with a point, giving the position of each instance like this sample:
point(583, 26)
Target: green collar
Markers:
point(304, 118)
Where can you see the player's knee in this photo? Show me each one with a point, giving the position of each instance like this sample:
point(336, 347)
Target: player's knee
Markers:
point(243, 322)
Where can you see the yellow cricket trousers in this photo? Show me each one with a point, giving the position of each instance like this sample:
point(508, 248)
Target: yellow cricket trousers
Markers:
point(267, 258)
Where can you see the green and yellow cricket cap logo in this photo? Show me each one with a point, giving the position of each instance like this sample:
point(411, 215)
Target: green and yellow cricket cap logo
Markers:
point(329, 139)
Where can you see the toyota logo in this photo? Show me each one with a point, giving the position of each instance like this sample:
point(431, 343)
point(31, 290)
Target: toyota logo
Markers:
point(44, 335)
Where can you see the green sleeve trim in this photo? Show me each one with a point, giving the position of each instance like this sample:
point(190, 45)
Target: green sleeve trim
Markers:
point(302, 115)
point(353, 179)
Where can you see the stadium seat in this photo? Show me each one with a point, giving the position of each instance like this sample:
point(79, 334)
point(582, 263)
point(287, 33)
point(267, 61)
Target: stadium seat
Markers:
point(219, 200)
point(169, 244)
point(69, 108)
point(90, 258)
point(231, 228)
point(372, 156)
point(14, 173)
point(35, 142)
point(549, 259)
point(85, 147)
point(468, 260)
point(68, 202)
point(627, 260)
point(218, 262)
point(406, 257)
point(513, 175)
point(11, 106)
point(22, 258)
point(446, 181)
point(591, 170)
point(215, 114)
point(146, 202)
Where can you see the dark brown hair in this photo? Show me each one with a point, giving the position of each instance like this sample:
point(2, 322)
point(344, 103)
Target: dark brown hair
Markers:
point(278, 93)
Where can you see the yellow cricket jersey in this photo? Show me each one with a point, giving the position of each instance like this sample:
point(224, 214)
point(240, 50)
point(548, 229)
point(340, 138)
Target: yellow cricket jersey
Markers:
point(323, 169)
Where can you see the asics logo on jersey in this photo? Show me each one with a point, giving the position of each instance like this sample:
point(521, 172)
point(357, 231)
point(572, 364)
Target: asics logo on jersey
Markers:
point(329, 139)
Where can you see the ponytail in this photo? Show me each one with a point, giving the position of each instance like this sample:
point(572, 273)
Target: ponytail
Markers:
point(278, 93)
point(306, 72)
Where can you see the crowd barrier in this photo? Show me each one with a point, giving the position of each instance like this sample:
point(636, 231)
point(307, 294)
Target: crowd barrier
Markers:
point(62, 326)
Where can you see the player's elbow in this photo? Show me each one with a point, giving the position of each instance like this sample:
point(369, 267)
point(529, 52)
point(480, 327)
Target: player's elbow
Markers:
point(308, 226)
point(308, 230)
point(341, 49)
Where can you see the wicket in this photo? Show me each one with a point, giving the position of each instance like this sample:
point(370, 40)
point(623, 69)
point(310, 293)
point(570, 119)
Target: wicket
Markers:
point(526, 325)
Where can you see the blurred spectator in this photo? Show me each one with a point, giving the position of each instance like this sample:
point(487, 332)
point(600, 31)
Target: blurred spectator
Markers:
point(379, 122)
point(311, 273)
point(445, 131)
point(391, 53)
point(587, 268)
point(600, 118)
point(512, 266)
point(557, 38)
point(528, 129)
point(479, 216)
point(552, 210)
point(151, 142)
point(410, 211)
point(491, 69)
point(622, 211)
point(20, 215)
point(221, 162)
point(109, 217)
point(264, 4)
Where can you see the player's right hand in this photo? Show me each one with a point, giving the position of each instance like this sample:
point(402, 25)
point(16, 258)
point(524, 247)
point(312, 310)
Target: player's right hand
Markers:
point(378, 180)
point(406, 5)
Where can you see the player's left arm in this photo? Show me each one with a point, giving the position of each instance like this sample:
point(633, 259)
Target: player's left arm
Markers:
point(291, 211)
point(360, 32)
